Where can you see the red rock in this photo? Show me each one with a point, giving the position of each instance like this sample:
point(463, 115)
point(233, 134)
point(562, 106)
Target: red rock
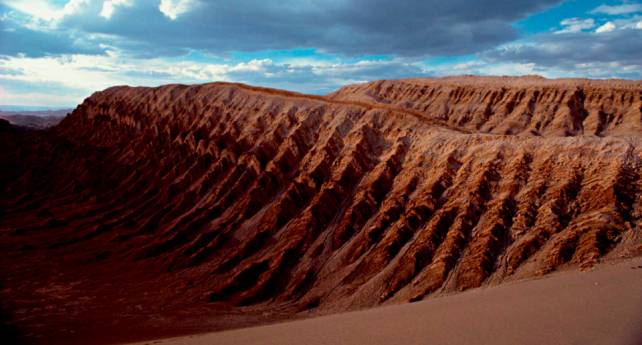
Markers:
point(202, 202)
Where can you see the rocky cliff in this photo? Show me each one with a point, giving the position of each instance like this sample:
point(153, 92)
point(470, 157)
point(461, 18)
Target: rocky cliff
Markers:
point(507, 105)
point(226, 197)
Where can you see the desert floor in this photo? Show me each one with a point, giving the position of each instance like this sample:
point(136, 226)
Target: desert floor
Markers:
point(600, 306)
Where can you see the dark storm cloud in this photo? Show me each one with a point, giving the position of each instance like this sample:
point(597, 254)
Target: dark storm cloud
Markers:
point(36, 44)
point(623, 46)
point(17, 39)
point(356, 27)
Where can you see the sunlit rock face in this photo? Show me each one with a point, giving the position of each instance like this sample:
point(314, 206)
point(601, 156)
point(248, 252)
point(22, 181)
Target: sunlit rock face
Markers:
point(226, 196)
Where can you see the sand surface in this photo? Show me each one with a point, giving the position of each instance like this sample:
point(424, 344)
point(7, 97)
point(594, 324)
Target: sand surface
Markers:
point(603, 306)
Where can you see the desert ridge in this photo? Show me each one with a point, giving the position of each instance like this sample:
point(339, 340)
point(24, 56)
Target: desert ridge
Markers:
point(223, 205)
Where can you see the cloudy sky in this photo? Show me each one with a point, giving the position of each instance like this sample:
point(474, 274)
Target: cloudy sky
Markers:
point(55, 53)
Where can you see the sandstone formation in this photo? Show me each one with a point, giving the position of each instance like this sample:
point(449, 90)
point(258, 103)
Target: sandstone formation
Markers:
point(225, 199)
point(505, 105)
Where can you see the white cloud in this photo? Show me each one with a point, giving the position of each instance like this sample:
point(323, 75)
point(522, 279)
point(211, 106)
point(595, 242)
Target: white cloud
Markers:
point(72, 7)
point(110, 5)
point(71, 78)
point(38, 99)
point(571, 25)
point(173, 8)
point(252, 66)
point(618, 9)
point(607, 27)
point(40, 9)
point(73, 71)
point(43, 10)
point(634, 22)
point(96, 72)
point(485, 68)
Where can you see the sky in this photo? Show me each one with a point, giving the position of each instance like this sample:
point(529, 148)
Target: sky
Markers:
point(56, 53)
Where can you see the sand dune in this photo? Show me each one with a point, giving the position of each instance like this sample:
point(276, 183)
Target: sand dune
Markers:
point(603, 306)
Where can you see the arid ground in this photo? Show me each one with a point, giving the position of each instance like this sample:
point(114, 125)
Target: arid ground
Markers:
point(600, 306)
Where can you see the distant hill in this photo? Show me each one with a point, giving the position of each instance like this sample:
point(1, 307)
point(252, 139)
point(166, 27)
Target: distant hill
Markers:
point(40, 119)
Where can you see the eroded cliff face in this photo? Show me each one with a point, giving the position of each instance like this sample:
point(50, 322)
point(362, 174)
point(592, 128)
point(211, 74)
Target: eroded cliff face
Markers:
point(508, 105)
point(242, 199)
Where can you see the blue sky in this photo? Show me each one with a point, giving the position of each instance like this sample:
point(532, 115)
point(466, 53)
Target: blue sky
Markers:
point(56, 53)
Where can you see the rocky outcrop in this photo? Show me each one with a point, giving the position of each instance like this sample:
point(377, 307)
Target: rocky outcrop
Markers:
point(229, 196)
point(514, 105)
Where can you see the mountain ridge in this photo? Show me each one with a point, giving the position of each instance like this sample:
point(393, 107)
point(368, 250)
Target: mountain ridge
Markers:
point(267, 204)
point(511, 105)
